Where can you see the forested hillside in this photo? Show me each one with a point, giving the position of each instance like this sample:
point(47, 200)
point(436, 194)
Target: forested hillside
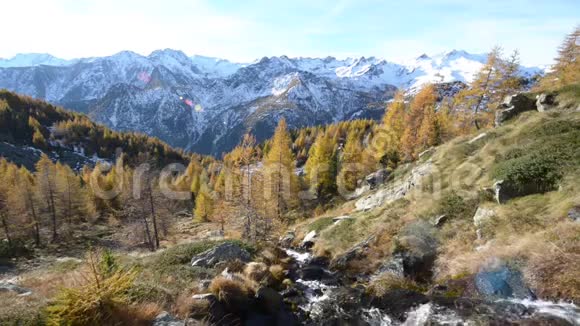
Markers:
point(25, 121)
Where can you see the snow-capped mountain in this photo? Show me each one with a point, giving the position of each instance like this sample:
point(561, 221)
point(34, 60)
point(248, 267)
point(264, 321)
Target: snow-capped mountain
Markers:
point(206, 104)
point(34, 59)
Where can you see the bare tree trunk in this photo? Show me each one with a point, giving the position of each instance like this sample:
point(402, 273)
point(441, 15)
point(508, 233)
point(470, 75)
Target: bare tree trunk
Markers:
point(6, 229)
point(480, 100)
point(279, 190)
point(69, 201)
point(148, 233)
point(35, 219)
point(247, 201)
point(53, 212)
point(154, 218)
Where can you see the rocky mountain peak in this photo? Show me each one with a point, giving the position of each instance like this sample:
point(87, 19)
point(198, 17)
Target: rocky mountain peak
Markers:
point(206, 104)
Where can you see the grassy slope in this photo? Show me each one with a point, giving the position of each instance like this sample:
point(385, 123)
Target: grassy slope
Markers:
point(532, 231)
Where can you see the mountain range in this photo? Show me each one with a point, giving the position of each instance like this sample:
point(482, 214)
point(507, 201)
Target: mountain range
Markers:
point(205, 104)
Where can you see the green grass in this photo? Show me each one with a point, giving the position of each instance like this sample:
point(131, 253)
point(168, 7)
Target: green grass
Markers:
point(455, 206)
point(570, 94)
point(182, 254)
point(171, 271)
point(66, 265)
point(542, 155)
point(148, 292)
point(320, 224)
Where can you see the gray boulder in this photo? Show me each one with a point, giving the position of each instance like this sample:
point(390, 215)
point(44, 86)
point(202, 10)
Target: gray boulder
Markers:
point(506, 190)
point(376, 178)
point(545, 102)
point(416, 246)
point(165, 319)
point(269, 299)
point(287, 239)
point(395, 266)
point(498, 280)
point(358, 251)
point(574, 214)
point(222, 253)
point(512, 106)
point(309, 239)
point(438, 220)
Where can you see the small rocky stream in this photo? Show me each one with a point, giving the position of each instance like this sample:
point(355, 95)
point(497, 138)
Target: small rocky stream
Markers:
point(324, 297)
point(318, 293)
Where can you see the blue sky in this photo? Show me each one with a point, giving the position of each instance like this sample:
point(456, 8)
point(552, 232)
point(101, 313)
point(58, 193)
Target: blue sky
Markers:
point(245, 30)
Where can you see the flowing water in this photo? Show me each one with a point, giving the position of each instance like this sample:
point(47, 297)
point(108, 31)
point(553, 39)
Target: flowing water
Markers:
point(318, 294)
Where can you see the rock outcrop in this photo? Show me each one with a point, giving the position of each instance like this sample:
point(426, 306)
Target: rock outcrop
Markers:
point(398, 302)
point(414, 253)
point(287, 239)
point(397, 189)
point(222, 253)
point(308, 241)
point(358, 251)
point(512, 106)
point(377, 178)
point(395, 266)
point(546, 102)
point(506, 190)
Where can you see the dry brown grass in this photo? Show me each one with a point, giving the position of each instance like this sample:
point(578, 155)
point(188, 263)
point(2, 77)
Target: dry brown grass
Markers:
point(235, 290)
point(277, 272)
point(554, 271)
point(21, 310)
point(273, 256)
point(138, 314)
point(257, 271)
point(185, 306)
point(47, 283)
point(388, 282)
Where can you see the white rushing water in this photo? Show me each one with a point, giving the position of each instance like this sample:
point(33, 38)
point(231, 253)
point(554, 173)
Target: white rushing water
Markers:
point(374, 317)
point(300, 257)
point(565, 310)
point(425, 314)
point(316, 293)
point(428, 314)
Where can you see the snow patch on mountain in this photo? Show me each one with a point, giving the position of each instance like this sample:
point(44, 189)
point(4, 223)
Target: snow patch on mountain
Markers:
point(206, 104)
point(34, 59)
point(215, 66)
